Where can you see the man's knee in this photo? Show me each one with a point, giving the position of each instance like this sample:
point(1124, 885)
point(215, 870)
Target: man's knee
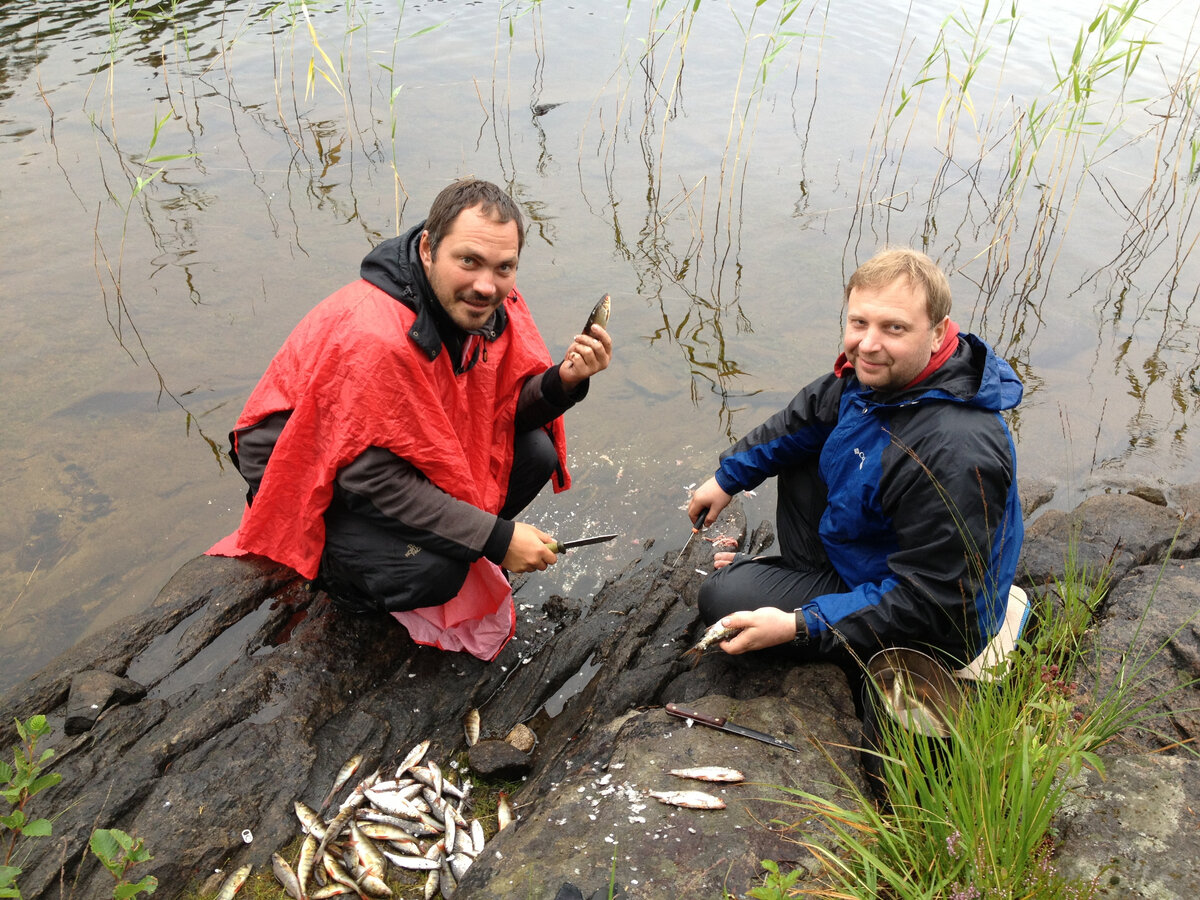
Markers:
point(717, 597)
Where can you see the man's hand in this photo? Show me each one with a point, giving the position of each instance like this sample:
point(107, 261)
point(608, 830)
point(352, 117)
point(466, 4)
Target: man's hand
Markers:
point(587, 355)
point(761, 628)
point(710, 495)
point(527, 550)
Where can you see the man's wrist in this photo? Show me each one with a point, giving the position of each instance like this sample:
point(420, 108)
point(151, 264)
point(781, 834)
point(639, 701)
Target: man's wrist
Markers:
point(801, 638)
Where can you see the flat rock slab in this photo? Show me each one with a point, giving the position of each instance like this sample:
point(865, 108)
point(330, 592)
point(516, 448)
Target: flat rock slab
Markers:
point(258, 690)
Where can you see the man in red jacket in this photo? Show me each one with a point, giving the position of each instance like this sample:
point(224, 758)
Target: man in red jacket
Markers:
point(411, 416)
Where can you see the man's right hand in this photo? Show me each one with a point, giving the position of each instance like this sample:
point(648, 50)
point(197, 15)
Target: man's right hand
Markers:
point(710, 495)
point(527, 550)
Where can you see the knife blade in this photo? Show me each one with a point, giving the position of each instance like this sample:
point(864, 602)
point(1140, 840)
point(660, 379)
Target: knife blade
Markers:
point(562, 546)
point(723, 724)
point(695, 531)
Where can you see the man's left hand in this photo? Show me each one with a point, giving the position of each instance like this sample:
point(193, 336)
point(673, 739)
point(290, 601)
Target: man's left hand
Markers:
point(587, 355)
point(761, 628)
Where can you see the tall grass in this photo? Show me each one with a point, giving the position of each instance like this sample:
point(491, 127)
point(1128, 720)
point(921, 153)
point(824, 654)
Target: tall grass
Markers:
point(969, 817)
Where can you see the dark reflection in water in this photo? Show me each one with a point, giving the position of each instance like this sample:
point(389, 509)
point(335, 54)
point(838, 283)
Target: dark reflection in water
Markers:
point(185, 180)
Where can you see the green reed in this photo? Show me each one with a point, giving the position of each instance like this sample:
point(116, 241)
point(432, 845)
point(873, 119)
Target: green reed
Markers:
point(970, 816)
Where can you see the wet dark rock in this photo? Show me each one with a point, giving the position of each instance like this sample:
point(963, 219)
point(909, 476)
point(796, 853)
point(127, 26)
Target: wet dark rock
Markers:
point(257, 690)
point(499, 760)
point(92, 692)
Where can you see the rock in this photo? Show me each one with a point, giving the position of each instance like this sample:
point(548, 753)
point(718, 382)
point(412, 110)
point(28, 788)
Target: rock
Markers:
point(92, 692)
point(522, 737)
point(1134, 828)
point(257, 691)
point(499, 760)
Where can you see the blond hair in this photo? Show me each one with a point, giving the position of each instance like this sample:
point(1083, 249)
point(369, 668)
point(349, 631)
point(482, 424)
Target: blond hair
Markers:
point(900, 262)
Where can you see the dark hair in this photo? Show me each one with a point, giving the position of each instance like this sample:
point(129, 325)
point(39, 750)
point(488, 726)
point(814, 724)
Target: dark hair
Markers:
point(922, 272)
point(467, 193)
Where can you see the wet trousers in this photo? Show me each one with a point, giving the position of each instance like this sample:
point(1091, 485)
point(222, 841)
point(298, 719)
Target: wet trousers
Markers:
point(368, 566)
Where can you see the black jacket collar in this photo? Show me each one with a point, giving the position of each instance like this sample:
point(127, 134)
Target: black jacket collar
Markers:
point(395, 268)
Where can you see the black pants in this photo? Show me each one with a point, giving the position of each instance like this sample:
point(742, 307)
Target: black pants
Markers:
point(369, 567)
point(801, 572)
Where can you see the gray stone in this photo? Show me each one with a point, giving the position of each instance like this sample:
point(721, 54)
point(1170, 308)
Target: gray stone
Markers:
point(1133, 829)
point(92, 692)
point(499, 760)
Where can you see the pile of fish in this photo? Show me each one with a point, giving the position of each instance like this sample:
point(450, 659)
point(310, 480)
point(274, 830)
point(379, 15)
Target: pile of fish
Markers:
point(416, 820)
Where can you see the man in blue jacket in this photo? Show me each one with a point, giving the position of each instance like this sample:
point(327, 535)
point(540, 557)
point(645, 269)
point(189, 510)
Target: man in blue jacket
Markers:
point(898, 517)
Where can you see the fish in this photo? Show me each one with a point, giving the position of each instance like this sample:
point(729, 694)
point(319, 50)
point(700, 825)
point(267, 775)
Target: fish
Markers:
point(333, 889)
point(310, 819)
point(431, 883)
point(415, 863)
point(715, 634)
point(234, 883)
point(338, 872)
point(370, 857)
point(471, 726)
point(352, 765)
point(418, 820)
point(459, 863)
point(306, 862)
point(286, 876)
point(415, 755)
point(504, 813)
point(709, 773)
point(599, 315)
point(689, 799)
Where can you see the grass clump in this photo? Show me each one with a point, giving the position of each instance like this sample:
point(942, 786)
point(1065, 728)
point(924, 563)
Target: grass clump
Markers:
point(970, 817)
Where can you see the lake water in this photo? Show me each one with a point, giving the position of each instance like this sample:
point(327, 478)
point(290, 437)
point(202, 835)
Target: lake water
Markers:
point(183, 181)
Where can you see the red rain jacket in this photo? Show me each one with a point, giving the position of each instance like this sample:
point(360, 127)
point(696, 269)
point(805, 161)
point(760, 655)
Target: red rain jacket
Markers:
point(353, 379)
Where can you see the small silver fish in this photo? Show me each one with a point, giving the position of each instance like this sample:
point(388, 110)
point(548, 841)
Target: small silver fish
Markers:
point(715, 634)
point(431, 884)
point(709, 773)
point(689, 799)
point(234, 883)
point(285, 876)
point(415, 755)
point(599, 315)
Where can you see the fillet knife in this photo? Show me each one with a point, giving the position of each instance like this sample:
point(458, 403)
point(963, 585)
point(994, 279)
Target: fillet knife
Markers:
point(562, 546)
point(720, 722)
point(695, 531)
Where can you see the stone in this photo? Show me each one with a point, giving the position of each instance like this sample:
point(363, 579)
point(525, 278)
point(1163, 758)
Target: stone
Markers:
point(499, 760)
point(92, 692)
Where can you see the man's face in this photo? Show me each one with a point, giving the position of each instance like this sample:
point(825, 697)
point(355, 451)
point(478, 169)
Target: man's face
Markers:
point(889, 338)
point(475, 267)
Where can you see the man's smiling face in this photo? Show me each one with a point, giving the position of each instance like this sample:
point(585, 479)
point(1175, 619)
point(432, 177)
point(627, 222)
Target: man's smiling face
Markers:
point(475, 267)
point(889, 338)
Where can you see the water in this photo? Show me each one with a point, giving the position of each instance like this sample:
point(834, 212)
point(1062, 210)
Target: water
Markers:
point(172, 208)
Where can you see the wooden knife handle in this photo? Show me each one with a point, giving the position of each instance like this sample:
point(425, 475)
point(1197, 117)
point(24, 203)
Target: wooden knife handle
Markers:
point(677, 710)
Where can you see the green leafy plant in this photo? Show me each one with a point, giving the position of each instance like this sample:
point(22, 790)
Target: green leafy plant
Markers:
point(776, 884)
point(23, 780)
point(118, 851)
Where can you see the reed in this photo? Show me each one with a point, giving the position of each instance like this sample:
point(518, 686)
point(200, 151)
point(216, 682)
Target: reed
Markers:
point(970, 817)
